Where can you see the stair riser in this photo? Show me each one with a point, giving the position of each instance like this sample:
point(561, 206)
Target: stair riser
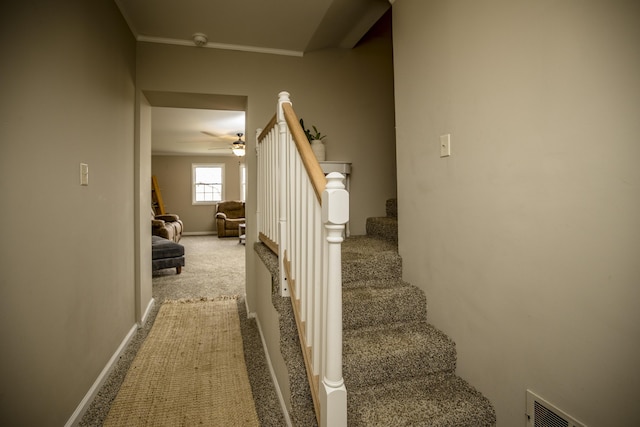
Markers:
point(436, 400)
point(383, 228)
point(385, 267)
point(388, 369)
point(364, 306)
point(387, 353)
point(392, 208)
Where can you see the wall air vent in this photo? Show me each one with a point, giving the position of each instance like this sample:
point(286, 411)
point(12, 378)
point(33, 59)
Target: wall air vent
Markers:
point(541, 413)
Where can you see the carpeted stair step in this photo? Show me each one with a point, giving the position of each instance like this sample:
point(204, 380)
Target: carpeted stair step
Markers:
point(368, 258)
point(386, 227)
point(385, 353)
point(392, 208)
point(438, 400)
point(379, 302)
point(383, 228)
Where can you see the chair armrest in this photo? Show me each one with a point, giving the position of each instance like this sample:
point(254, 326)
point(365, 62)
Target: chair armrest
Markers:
point(168, 217)
point(221, 215)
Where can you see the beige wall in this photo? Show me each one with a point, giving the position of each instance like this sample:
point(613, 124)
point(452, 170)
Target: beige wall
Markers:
point(67, 258)
point(526, 240)
point(174, 178)
point(269, 323)
point(142, 194)
point(347, 94)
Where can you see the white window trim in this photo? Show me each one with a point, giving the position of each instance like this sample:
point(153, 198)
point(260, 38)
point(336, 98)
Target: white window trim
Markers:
point(193, 182)
point(243, 183)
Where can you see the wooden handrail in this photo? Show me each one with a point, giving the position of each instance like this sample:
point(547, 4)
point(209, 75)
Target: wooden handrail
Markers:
point(268, 128)
point(318, 180)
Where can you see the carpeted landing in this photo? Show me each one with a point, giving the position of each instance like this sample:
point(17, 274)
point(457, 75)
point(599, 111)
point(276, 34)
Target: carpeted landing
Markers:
point(398, 369)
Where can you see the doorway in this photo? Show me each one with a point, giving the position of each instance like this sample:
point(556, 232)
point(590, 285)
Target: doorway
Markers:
point(147, 102)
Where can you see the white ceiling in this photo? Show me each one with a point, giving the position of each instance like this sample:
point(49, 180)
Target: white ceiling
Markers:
point(282, 27)
point(195, 131)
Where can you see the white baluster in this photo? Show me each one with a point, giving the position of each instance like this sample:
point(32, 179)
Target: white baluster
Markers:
point(259, 206)
point(283, 97)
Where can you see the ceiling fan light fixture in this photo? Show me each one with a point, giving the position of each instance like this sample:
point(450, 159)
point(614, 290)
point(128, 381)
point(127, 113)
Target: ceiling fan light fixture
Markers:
point(200, 39)
point(238, 147)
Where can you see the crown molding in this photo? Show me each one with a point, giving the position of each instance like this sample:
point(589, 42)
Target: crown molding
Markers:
point(224, 46)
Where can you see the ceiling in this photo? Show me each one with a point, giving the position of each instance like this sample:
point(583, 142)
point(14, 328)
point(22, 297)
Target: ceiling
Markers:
point(281, 27)
point(195, 131)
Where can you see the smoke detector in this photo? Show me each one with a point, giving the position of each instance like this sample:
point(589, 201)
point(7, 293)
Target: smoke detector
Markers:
point(200, 39)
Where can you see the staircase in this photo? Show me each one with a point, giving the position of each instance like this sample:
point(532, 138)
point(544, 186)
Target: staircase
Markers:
point(398, 369)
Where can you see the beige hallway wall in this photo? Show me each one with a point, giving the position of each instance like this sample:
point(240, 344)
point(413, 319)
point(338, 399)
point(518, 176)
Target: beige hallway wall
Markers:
point(67, 286)
point(526, 240)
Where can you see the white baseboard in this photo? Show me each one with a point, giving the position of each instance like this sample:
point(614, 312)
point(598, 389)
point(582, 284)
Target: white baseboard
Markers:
point(285, 412)
point(199, 233)
point(250, 314)
point(76, 417)
point(146, 313)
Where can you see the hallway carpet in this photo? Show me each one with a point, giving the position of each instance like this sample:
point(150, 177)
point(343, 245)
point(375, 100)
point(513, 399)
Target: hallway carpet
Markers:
point(214, 268)
point(189, 371)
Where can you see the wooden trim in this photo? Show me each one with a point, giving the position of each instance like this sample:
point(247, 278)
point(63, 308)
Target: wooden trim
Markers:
point(273, 246)
point(267, 129)
point(309, 160)
point(306, 350)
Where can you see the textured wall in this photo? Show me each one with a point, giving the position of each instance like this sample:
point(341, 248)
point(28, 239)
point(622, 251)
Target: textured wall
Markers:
point(526, 239)
point(67, 286)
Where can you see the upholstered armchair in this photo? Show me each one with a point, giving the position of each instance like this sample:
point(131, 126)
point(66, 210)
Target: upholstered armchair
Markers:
point(229, 215)
point(168, 226)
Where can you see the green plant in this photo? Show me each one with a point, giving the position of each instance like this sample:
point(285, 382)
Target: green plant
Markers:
point(311, 136)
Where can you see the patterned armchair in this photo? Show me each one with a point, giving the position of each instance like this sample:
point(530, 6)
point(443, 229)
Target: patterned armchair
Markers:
point(229, 215)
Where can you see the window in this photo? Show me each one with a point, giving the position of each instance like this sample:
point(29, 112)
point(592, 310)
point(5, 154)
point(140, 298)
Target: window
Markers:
point(207, 183)
point(243, 182)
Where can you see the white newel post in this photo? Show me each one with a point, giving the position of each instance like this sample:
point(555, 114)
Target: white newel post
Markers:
point(283, 97)
point(335, 214)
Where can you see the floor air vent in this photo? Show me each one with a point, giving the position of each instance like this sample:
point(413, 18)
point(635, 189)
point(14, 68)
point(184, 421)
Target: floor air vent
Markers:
point(541, 413)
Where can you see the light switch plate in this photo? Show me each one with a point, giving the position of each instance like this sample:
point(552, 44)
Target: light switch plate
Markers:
point(84, 174)
point(445, 145)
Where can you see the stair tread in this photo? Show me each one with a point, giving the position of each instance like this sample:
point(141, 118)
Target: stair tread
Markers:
point(355, 247)
point(377, 283)
point(388, 219)
point(438, 400)
point(384, 352)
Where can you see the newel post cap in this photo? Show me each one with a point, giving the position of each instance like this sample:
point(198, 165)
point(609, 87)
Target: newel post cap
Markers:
point(335, 200)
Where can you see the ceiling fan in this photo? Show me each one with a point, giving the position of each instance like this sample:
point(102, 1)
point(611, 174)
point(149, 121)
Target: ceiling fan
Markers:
point(238, 146)
point(221, 143)
point(219, 137)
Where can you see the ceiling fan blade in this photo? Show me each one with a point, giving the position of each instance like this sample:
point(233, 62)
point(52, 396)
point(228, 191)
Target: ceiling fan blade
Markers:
point(221, 137)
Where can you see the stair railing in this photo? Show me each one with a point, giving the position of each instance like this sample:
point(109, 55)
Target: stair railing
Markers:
point(301, 217)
